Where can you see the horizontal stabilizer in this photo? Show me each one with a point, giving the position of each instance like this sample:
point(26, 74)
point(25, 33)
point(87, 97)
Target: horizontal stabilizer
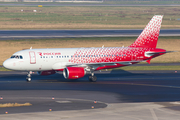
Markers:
point(153, 53)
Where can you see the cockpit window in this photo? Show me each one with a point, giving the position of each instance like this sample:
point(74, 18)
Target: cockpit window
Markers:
point(17, 56)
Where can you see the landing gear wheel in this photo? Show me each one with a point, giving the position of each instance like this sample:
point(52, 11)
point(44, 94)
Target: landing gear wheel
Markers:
point(28, 79)
point(92, 78)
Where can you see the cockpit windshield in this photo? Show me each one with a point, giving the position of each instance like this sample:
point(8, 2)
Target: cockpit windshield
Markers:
point(17, 56)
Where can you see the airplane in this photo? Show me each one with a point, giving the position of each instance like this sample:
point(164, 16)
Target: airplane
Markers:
point(77, 62)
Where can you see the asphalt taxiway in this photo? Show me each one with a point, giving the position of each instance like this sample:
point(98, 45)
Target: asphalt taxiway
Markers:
point(34, 34)
point(119, 95)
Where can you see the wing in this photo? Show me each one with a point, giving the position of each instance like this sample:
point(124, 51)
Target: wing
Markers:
point(94, 66)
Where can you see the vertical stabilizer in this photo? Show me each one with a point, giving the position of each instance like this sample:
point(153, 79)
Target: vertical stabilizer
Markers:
point(149, 36)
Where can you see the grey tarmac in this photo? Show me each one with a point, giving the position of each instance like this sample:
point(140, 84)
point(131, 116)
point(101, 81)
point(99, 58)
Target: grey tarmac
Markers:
point(122, 95)
point(39, 34)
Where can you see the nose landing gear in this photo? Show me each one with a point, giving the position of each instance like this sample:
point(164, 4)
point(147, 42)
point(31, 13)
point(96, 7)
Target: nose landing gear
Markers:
point(28, 78)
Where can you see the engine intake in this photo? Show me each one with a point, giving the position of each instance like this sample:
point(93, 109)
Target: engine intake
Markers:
point(73, 72)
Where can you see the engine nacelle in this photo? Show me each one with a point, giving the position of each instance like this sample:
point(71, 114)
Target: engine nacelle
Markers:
point(49, 72)
point(73, 72)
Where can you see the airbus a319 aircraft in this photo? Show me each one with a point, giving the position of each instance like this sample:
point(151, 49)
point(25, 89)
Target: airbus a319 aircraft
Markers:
point(77, 62)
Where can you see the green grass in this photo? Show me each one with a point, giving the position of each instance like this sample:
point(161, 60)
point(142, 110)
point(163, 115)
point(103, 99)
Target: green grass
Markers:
point(149, 68)
point(146, 2)
point(135, 2)
point(85, 17)
point(4, 69)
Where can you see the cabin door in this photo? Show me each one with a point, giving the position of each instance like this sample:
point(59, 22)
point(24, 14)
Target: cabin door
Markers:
point(32, 57)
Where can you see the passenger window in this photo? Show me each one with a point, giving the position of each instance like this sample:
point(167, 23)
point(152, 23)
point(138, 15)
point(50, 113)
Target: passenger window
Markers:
point(21, 57)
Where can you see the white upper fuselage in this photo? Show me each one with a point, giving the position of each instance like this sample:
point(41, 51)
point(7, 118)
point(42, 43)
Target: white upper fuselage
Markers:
point(59, 58)
point(38, 59)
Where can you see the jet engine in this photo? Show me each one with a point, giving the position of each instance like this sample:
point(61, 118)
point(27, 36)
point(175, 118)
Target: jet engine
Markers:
point(74, 72)
point(49, 72)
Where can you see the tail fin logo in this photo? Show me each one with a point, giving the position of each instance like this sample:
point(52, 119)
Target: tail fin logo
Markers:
point(149, 36)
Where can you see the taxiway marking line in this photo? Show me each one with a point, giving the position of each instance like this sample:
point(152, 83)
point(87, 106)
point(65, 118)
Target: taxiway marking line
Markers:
point(153, 114)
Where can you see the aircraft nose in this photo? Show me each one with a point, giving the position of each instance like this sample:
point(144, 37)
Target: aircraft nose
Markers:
point(6, 64)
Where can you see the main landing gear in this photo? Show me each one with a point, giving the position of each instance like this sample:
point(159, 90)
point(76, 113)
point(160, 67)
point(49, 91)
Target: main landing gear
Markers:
point(28, 78)
point(92, 78)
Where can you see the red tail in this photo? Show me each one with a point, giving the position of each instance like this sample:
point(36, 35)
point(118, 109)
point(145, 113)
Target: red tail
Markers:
point(149, 36)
